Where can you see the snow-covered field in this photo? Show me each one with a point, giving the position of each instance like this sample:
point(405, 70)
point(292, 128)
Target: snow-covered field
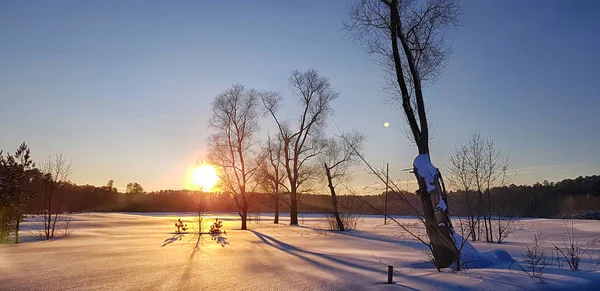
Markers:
point(126, 251)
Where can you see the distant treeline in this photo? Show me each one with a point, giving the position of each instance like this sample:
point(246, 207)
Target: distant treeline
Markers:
point(546, 199)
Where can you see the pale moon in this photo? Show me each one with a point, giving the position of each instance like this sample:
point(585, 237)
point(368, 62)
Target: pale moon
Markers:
point(386, 124)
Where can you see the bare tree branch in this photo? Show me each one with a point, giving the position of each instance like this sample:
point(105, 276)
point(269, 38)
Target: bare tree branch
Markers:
point(302, 138)
point(232, 148)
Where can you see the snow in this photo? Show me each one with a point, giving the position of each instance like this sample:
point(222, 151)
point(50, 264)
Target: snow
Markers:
point(441, 204)
point(426, 170)
point(127, 251)
point(469, 256)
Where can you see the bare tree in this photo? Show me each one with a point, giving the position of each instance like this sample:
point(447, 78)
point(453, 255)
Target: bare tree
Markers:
point(479, 166)
point(56, 171)
point(339, 157)
point(409, 38)
point(271, 175)
point(462, 180)
point(302, 138)
point(233, 146)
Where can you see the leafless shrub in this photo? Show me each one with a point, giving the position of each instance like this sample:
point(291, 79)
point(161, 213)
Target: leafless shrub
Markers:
point(534, 260)
point(475, 168)
point(572, 250)
point(66, 224)
point(255, 217)
point(351, 221)
point(200, 224)
point(61, 227)
point(506, 226)
point(56, 171)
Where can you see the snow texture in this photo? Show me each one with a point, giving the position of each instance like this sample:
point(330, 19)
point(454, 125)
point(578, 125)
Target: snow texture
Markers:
point(469, 256)
point(121, 251)
point(441, 204)
point(426, 170)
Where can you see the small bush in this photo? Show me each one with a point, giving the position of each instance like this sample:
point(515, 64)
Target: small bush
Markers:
point(66, 225)
point(572, 250)
point(506, 226)
point(180, 226)
point(351, 221)
point(254, 217)
point(534, 261)
point(215, 228)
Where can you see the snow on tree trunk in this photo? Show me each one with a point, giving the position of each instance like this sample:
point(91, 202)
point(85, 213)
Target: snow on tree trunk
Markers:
point(445, 243)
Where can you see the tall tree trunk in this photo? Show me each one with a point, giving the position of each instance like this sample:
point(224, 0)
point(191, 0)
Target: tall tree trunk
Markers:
point(437, 219)
point(244, 220)
point(489, 196)
point(471, 217)
point(276, 220)
point(480, 209)
point(244, 211)
point(437, 224)
point(293, 206)
point(334, 200)
point(48, 216)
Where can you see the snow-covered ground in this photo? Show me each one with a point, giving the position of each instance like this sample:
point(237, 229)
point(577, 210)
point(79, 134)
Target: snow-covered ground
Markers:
point(126, 251)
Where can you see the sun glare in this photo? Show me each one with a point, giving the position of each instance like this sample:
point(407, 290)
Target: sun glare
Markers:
point(205, 176)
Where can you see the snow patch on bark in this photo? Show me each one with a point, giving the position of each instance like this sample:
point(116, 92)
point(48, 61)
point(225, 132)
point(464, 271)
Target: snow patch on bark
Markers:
point(426, 170)
point(441, 204)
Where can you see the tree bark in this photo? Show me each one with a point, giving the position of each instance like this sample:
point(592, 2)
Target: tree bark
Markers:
point(244, 209)
point(334, 200)
point(437, 224)
point(244, 222)
point(294, 211)
point(276, 220)
point(293, 206)
point(244, 219)
point(489, 194)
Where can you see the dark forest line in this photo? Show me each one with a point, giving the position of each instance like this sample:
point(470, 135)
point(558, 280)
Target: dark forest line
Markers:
point(547, 200)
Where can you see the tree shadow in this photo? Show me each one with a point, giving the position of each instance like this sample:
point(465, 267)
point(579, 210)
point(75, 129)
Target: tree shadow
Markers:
point(365, 265)
point(174, 238)
point(412, 243)
point(305, 254)
point(220, 239)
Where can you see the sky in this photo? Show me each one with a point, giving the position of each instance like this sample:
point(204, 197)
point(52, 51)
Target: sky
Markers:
point(123, 88)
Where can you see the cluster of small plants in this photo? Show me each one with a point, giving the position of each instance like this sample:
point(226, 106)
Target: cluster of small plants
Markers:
point(534, 260)
point(180, 226)
point(215, 228)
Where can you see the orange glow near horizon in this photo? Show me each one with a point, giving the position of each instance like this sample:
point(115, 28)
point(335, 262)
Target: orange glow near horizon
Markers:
point(205, 177)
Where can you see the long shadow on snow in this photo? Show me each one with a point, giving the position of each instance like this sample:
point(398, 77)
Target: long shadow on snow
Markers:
point(303, 254)
point(174, 238)
point(379, 238)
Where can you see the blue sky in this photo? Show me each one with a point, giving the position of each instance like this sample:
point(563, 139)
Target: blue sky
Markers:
point(123, 88)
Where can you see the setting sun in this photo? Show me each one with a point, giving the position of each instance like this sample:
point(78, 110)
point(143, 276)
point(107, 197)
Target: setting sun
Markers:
point(205, 176)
